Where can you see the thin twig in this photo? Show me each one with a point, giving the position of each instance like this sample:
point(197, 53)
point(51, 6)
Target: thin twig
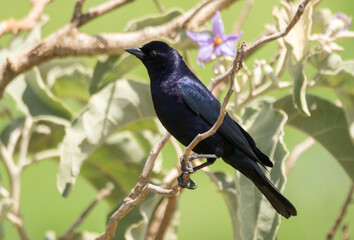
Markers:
point(315, 3)
point(137, 194)
point(25, 140)
point(167, 216)
point(341, 215)
point(150, 162)
point(159, 6)
point(7, 159)
point(46, 154)
point(14, 137)
point(269, 86)
point(70, 41)
point(128, 205)
point(14, 172)
point(297, 152)
point(346, 232)
point(100, 196)
point(100, 10)
point(192, 14)
point(243, 52)
point(163, 215)
point(176, 146)
point(140, 191)
point(241, 20)
point(265, 39)
point(26, 23)
point(77, 11)
point(200, 137)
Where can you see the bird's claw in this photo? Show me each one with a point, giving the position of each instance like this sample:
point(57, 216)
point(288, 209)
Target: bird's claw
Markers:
point(189, 185)
point(186, 167)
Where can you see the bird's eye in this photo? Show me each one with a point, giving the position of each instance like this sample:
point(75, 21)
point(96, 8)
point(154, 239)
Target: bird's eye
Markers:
point(153, 53)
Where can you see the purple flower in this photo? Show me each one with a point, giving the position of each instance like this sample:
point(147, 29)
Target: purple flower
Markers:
point(345, 18)
point(218, 44)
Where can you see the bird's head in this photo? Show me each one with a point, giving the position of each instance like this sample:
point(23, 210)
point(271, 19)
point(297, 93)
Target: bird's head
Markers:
point(158, 57)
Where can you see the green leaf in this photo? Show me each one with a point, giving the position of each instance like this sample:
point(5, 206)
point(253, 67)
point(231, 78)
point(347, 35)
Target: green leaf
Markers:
point(6, 203)
point(253, 217)
point(103, 66)
point(348, 106)
point(231, 195)
point(297, 72)
point(135, 225)
point(321, 20)
point(120, 161)
point(69, 80)
point(22, 43)
point(297, 40)
point(121, 67)
point(325, 61)
point(341, 79)
point(138, 230)
point(34, 98)
point(179, 41)
point(13, 125)
point(327, 125)
point(152, 20)
point(114, 107)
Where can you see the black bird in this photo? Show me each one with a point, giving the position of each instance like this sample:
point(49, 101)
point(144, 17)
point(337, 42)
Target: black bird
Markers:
point(186, 108)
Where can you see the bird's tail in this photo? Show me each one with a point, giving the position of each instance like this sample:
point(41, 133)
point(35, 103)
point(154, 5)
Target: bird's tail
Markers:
point(251, 170)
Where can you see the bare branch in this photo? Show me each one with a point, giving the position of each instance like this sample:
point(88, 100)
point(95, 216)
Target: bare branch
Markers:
point(115, 43)
point(25, 140)
point(162, 218)
point(269, 86)
point(14, 137)
point(341, 215)
point(26, 23)
point(69, 41)
point(77, 11)
point(241, 20)
point(137, 194)
point(346, 232)
point(100, 196)
point(46, 154)
point(176, 146)
point(128, 205)
point(265, 39)
point(100, 10)
point(242, 53)
point(297, 152)
point(254, 46)
point(9, 163)
point(200, 137)
point(14, 173)
point(159, 6)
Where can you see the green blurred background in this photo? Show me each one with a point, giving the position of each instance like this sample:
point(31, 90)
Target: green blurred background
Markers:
point(317, 185)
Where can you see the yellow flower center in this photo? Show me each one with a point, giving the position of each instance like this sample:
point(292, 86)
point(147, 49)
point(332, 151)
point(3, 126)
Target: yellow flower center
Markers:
point(217, 40)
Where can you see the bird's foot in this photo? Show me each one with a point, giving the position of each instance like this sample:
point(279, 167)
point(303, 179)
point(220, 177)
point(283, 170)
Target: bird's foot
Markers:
point(189, 185)
point(184, 181)
point(186, 167)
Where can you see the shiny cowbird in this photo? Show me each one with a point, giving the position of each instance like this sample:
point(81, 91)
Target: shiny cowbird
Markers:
point(186, 108)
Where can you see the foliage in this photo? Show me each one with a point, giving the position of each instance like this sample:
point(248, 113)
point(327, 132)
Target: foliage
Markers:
point(101, 124)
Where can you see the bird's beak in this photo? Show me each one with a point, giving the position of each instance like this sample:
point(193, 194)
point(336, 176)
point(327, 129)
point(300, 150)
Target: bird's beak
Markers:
point(136, 52)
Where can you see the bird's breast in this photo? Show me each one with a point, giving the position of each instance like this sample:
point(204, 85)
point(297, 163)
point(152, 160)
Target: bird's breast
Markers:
point(181, 121)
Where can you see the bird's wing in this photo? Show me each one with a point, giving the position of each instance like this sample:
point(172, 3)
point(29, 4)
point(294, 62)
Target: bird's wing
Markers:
point(202, 102)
